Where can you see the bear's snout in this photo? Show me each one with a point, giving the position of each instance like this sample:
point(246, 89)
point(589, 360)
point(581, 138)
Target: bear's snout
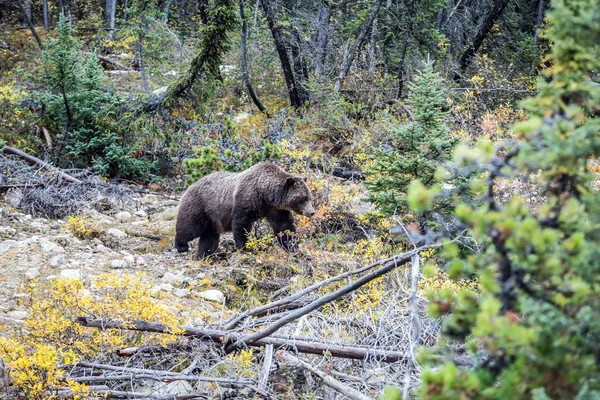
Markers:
point(309, 210)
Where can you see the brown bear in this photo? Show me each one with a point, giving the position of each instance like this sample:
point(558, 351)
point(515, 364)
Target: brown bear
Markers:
point(227, 201)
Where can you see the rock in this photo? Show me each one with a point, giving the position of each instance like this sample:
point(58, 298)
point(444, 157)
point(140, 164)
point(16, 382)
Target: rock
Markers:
point(7, 230)
point(51, 247)
point(57, 261)
point(153, 186)
point(213, 295)
point(71, 274)
point(129, 259)
point(39, 226)
point(171, 278)
point(117, 264)
point(154, 292)
point(167, 287)
point(17, 314)
point(7, 244)
point(141, 213)
point(32, 240)
point(116, 233)
point(14, 197)
point(139, 260)
point(123, 216)
point(201, 276)
point(182, 293)
point(102, 248)
point(85, 256)
point(32, 273)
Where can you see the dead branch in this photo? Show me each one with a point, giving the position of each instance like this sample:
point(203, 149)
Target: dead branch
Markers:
point(146, 235)
point(42, 164)
point(117, 394)
point(347, 174)
point(327, 379)
point(391, 265)
point(142, 373)
point(234, 321)
point(107, 60)
point(266, 369)
point(220, 336)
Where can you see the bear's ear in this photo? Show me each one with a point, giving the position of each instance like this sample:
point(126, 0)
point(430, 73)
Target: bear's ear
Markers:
point(289, 182)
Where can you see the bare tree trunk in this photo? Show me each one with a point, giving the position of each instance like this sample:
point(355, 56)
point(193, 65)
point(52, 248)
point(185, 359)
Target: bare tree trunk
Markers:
point(245, 74)
point(323, 18)
point(202, 10)
point(29, 23)
point(125, 9)
point(286, 66)
point(165, 10)
point(410, 16)
point(372, 44)
point(141, 65)
point(360, 40)
point(112, 19)
point(183, 10)
point(46, 19)
point(67, 126)
point(540, 20)
point(61, 7)
point(489, 21)
point(298, 64)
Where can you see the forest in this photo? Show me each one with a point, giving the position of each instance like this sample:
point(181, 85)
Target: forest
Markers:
point(431, 169)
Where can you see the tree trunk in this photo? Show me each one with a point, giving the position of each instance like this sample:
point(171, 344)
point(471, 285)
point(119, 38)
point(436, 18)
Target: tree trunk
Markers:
point(67, 126)
point(141, 65)
point(410, 16)
point(29, 23)
point(61, 7)
point(323, 18)
point(286, 66)
point(299, 64)
point(360, 40)
point(372, 45)
point(165, 10)
point(183, 10)
point(540, 20)
point(112, 19)
point(202, 11)
point(487, 24)
point(46, 18)
point(245, 74)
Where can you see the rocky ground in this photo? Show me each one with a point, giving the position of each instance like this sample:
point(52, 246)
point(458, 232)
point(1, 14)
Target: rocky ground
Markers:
point(134, 239)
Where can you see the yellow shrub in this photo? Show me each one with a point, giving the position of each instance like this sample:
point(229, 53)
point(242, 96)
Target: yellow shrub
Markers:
point(39, 356)
point(81, 227)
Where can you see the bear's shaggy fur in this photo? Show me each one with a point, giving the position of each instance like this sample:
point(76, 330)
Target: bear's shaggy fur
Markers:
point(226, 201)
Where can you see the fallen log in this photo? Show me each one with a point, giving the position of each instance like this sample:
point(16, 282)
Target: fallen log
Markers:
point(225, 337)
point(40, 163)
point(347, 174)
point(327, 379)
point(114, 63)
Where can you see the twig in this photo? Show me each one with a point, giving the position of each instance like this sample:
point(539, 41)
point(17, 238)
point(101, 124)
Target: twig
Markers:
point(266, 369)
point(221, 336)
point(414, 313)
point(327, 379)
point(36, 161)
point(165, 376)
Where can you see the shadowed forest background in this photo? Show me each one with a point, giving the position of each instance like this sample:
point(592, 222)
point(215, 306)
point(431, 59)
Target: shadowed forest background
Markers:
point(451, 147)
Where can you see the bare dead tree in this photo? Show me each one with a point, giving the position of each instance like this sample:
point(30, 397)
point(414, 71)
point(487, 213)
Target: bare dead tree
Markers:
point(46, 17)
point(244, 61)
point(276, 29)
point(539, 21)
point(360, 41)
point(484, 28)
point(27, 18)
point(322, 36)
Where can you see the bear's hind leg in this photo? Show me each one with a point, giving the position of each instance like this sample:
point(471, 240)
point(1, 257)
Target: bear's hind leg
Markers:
point(208, 244)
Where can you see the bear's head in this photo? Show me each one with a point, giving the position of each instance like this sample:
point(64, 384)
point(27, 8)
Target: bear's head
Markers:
point(297, 196)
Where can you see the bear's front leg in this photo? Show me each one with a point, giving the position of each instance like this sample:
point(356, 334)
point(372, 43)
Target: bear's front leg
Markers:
point(282, 222)
point(241, 226)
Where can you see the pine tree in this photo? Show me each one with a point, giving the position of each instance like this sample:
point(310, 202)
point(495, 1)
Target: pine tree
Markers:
point(533, 331)
point(417, 148)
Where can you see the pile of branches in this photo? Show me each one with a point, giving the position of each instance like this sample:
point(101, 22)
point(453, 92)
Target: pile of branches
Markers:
point(289, 334)
point(40, 189)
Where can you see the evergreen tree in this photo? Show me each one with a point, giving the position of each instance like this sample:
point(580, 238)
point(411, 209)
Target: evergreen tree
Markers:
point(417, 148)
point(534, 329)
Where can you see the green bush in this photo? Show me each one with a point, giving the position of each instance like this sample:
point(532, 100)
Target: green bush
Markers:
point(533, 331)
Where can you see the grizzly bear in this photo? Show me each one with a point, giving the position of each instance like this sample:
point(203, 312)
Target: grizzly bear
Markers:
point(228, 201)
